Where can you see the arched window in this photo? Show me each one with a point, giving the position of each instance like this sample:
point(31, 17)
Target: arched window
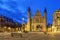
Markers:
point(58, 16)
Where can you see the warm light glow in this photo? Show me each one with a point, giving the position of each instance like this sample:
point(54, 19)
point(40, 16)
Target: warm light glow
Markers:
point(9, 28)
point(54, 29)
point(27, 28)
point(4, 26)
point(59, 12)
point(19, 31)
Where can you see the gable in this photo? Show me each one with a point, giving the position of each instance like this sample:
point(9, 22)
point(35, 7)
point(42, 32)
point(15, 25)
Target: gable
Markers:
point(37, 14)
point(37, 17)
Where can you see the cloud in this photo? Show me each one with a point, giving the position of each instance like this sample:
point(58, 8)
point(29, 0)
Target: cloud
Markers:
point(21, 9)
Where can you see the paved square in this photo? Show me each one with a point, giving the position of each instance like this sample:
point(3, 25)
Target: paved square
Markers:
point(32, 36)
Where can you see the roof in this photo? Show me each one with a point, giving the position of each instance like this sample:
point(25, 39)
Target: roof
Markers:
point(37, 14)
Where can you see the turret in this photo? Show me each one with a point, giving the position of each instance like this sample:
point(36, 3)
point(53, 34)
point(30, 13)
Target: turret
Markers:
point(28, 28)
point(45, 19)
point(29, 13)
point(45, 13)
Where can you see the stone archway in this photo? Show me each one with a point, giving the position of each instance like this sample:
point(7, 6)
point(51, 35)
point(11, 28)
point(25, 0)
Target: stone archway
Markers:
point(39, 28)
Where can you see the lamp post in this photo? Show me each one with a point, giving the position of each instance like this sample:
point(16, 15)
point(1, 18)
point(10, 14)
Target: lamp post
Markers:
point(23, 24)
point(22, 20)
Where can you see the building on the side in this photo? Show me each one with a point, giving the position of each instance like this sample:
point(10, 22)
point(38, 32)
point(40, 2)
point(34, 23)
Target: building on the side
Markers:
point(7, 24)
point(37, 22)
point(56, 21)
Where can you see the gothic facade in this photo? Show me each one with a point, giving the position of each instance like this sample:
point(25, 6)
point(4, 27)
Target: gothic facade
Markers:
point(56, 21)
point(37, 22)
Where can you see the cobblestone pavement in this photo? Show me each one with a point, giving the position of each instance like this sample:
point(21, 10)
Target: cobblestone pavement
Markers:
point(31, 36)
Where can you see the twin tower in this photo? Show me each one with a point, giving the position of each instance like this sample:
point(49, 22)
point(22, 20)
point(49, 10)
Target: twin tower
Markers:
point(37, 22)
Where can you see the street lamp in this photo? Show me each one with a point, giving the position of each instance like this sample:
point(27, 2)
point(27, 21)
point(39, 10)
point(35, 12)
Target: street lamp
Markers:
point(23, 24)
point(22, 20)
point(9, 28)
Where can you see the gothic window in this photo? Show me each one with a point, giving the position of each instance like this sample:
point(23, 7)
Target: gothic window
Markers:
point(37, 20)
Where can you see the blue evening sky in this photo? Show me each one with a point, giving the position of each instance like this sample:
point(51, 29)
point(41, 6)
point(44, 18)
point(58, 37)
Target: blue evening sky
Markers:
point(17, 9)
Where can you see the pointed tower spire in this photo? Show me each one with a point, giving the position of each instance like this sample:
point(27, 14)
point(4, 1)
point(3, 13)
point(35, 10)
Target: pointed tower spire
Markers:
point(28, 9)
point(28, 12)
point(45, 10)
point(28, 28)
point(45, 18)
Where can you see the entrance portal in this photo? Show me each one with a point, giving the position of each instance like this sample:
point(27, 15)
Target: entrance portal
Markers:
point(39, 28)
